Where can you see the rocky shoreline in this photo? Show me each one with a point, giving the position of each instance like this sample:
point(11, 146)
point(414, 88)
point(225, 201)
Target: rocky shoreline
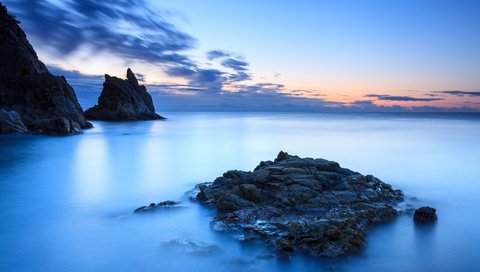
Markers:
point(295, 204)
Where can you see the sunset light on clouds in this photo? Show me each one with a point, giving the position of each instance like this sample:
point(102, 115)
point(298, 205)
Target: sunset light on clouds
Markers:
point(302, 55)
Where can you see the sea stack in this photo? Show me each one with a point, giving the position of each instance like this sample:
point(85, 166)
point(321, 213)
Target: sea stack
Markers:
point(31, 98)
point(123, 99)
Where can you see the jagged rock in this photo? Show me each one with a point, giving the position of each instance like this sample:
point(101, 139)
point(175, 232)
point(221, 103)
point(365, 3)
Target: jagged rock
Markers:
point(10, 122)
point(425, 214)
point(123, 99)
point(153, 206)
point(45, 103)
point(300, 204)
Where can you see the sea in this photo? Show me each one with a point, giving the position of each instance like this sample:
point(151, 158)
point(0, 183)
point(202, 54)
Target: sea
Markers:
point(66, 203)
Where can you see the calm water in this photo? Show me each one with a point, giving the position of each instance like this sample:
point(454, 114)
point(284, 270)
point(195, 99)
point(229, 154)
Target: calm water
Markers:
point(66, 202)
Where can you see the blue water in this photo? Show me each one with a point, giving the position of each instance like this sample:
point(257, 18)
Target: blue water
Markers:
point(66, 202)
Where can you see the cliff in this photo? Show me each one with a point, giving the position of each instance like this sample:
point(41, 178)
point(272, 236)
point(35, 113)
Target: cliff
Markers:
point(29, 93)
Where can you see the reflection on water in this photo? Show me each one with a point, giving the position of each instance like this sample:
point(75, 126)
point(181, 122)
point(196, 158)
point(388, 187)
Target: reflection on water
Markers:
point(91, 171)
point(67, 202)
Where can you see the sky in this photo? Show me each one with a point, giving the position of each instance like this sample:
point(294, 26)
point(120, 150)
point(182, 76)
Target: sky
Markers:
point(269, 55)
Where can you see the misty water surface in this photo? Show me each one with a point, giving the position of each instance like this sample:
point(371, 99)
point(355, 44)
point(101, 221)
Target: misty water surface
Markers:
point(66, 202)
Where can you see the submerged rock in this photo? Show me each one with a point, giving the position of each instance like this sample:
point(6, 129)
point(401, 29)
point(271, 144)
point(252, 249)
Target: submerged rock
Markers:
point(32, 99)
point(191, 246)
point(300, 204)
point(425, 214)
point(153, 206)
point(123, 99)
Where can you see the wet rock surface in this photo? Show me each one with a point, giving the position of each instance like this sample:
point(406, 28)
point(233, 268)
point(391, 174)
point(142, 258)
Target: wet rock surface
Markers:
point(161, 205)
point(295, 204)
point(123, 99)
point(425, 214)
point(43, 102)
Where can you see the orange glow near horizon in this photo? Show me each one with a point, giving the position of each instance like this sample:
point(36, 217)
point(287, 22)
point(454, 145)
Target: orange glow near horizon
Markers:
point(345, 92)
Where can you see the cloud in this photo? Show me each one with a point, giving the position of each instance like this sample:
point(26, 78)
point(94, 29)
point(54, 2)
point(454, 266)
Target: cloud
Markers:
point(215, 54)
point(234, 64)
point(261, 97)
point(386, 97)
point(128, 28)
point(208, 80)
point(133, 30)
point(211, 79)
point(180, 71)
point(261, 88)
point(459, 93)
point(239, 76)
point(231, 61)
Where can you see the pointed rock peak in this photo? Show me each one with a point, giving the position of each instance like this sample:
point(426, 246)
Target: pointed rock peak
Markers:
point(131, 77)
point(123, 99)
point(5, 16)
point(3, 10)
point(282, 156)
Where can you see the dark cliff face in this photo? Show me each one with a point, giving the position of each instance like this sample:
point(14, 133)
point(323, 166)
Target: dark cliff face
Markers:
point(45, 103)
point(123, 99)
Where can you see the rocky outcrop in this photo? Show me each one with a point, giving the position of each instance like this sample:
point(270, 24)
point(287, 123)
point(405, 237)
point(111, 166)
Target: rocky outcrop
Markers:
point(300, 204)
point(425, 214)
point(45, 103)
point(10, 122)
point(161, 205)
point(123, 99)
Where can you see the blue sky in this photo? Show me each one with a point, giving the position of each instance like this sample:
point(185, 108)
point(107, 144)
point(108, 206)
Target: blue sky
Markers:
point(311, 55)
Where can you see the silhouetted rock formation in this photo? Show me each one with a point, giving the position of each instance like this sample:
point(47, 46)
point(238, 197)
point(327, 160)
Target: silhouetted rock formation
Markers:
point(123, 99)
point(300, 204)
point(425, 214)
point(45, 103)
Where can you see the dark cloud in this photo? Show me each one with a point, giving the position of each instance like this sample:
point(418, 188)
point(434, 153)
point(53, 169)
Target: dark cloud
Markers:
point(200, 79)
point(231, 61)
point(215, 54)
point(458, 93)
point(128, 28)
point(386, 97)
point(239, 76)
point(212, 79)
point(140, 77)
point(208, 79)
point(234, 64)
point(180, 71)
